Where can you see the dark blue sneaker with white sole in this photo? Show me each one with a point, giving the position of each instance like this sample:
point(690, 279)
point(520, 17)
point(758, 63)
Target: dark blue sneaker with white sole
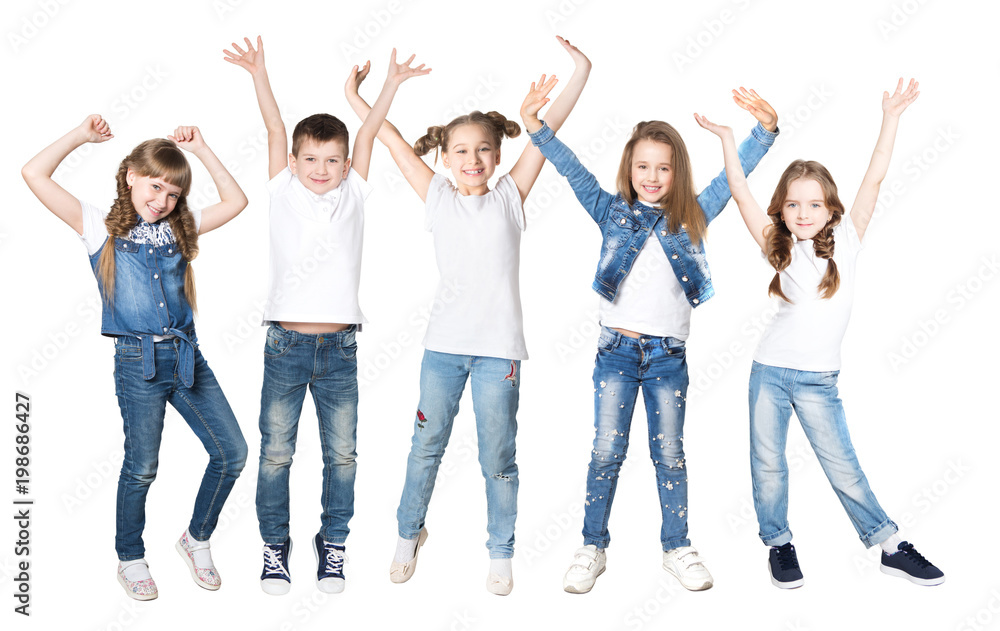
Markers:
point(330, 559)
point(784, 567)
point(911, 565)
point(275, 579)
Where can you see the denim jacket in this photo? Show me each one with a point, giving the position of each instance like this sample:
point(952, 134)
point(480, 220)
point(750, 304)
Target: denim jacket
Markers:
point(626, 228)
point(149, 300)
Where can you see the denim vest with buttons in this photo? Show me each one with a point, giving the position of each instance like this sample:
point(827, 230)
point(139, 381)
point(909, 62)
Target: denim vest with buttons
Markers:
point(149, 300)
point(625, 228)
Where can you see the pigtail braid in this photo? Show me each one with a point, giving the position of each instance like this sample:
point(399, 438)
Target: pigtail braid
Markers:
point(779, 253)
point(186, 237)
point(823, 246)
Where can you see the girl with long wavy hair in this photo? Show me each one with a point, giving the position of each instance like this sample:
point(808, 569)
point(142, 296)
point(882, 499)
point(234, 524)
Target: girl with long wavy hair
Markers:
point(140, 251)
point(813, 249)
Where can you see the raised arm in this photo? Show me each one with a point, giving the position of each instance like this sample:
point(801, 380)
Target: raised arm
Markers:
point(413, 168)
point(529, 165)
point(892, 107)
point(277, 139)
point(233, 201)
point(398, 73)
point(38, 171)
point(754, 217)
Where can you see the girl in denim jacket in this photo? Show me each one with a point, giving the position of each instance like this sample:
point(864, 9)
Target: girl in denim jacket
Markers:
point(813, 252)
point(652, 272)
point(475, 332)
point(140, 253)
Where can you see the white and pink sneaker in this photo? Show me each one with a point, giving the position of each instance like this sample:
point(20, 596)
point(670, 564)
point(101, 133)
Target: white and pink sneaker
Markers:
point(135, 579)
point(198, 556)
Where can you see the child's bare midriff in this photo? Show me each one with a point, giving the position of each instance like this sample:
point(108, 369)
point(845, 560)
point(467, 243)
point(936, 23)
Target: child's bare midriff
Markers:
point(314, 328)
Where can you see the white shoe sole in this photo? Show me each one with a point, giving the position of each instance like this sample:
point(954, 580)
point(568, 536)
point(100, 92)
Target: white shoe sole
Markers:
point(926, 582)
point(275, 586)
point(787, 585)
point(581, 587)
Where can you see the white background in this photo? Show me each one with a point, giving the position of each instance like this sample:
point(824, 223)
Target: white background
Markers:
point(918, 356)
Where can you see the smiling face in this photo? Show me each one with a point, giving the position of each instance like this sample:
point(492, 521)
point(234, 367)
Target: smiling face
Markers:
point(153, 198)
point(804, 210)
point(320, 166)
point(472, 158)
point(652, 171)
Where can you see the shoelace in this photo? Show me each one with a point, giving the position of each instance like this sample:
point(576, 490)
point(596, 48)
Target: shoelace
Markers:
point(786, 557)
point(911, 553)
point(273, 563)
point(334, 560)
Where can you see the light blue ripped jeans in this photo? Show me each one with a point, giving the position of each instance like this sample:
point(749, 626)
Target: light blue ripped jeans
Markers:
point(495, 386)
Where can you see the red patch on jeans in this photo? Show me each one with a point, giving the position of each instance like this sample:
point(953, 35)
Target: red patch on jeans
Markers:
point(420, 419)
point(512, 375)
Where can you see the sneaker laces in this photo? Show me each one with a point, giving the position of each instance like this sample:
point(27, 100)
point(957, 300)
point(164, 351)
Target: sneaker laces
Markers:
point(786, 557)
point(911, 553)
point(334, 559)
point(273, 561)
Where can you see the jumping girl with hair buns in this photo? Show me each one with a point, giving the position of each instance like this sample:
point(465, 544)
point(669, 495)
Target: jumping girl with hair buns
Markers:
point(140, 253)
point(655, 225)
point(476, 332)
point(813, 252)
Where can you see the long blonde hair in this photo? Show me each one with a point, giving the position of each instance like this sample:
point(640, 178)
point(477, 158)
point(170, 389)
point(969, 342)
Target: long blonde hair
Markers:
point(157, 158)
point(680, 205)
point(779, 237)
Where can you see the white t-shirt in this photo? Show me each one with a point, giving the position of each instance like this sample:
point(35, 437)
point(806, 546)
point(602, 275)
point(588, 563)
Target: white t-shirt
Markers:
point(316, 242)
point(649, 299)
point(95, 232)
point(806, 334)
point(477, 243)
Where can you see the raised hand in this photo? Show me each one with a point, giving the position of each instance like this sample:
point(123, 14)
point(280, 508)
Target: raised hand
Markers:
point(188, 138)
point(356, 78)
point(96, 129)
point(719, 130)
point(536, 98)
point(399, 73)
point(579, 58)
point(758, 107)
point(250, 59)
point(900, 99)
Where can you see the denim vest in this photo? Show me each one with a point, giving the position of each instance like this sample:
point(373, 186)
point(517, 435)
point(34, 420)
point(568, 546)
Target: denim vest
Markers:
point(625, 229)
point(149, 300)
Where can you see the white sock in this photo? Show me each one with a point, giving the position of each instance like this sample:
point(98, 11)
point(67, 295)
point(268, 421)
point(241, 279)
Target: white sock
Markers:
point(891, 545)
point(136, 570)
point(203, 555)
point(404, 550)
point(500, 567)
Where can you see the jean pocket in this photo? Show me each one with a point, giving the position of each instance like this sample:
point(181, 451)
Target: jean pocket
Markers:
point(128, 352)
point(349, 351)
point(607, 342)
point(276, 344)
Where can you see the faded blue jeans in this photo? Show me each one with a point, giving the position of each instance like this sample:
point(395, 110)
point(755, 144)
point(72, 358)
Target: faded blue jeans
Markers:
point(774, 394)
point(658, 367)
point(143, 405)
point(495, 386)
point(327, 364)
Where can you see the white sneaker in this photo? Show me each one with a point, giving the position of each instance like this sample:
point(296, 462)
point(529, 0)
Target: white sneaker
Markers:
point(588, 564)
point(687, 567)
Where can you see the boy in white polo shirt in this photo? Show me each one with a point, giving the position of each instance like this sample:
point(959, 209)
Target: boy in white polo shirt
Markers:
point(316, 226)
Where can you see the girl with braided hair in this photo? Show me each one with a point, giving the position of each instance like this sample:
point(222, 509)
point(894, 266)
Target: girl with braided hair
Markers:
point(140, 251)
point(475, 331)
point(813, 249)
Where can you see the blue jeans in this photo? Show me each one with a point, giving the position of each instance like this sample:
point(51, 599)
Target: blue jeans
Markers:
point(658, 366)
point(495, 385)
point(143, 404)
point(327, 364)
point(774, 393)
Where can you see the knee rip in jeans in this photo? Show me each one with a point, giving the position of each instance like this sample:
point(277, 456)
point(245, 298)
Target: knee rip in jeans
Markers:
point(500, 476)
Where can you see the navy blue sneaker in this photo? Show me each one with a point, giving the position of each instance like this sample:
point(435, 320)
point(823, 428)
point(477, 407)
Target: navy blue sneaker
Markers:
point(911, 565)
point(784, 567)
point(275, 579)
point(330, 559)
